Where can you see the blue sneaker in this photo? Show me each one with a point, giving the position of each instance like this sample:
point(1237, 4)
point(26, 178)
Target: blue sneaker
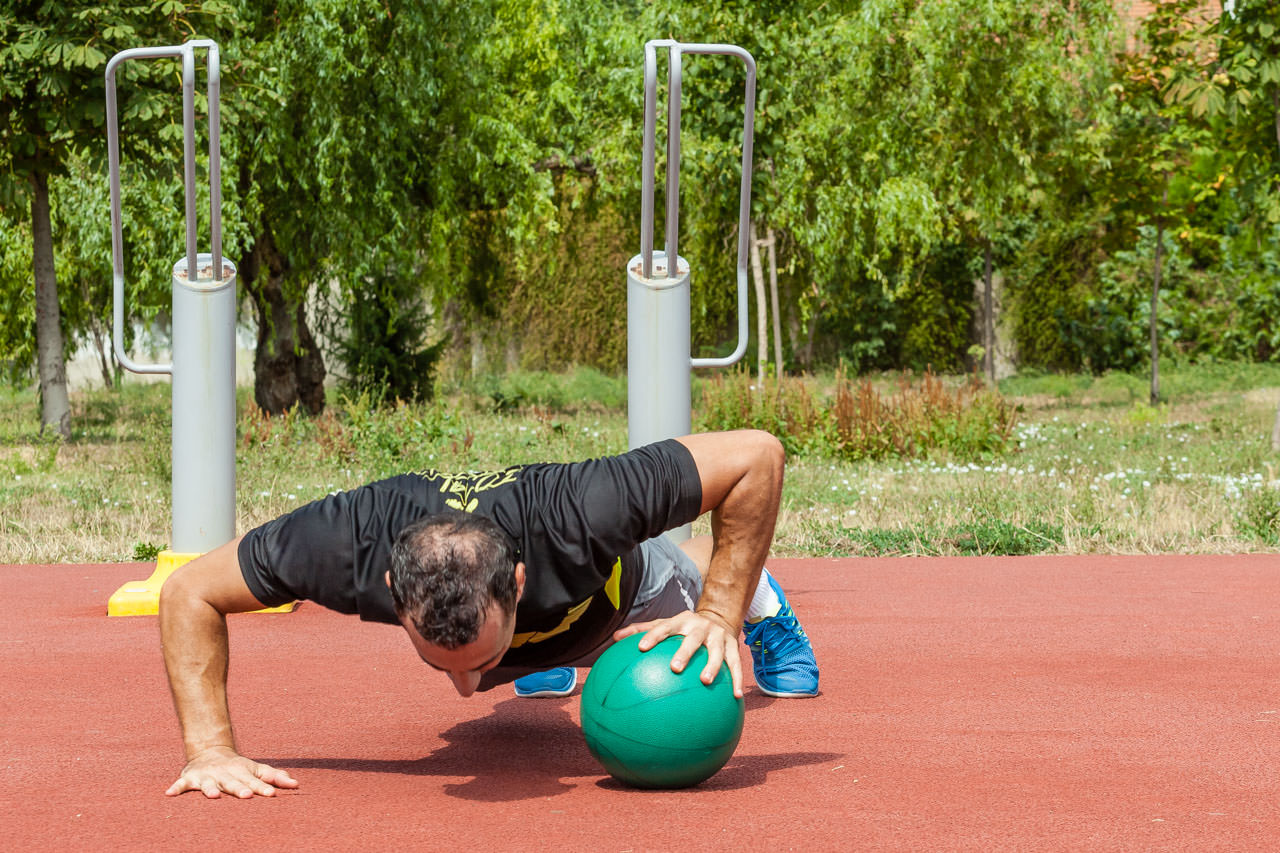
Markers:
point(780, 651)
point(552, 682)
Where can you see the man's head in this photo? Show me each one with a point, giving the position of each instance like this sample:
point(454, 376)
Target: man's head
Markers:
point(455, 579)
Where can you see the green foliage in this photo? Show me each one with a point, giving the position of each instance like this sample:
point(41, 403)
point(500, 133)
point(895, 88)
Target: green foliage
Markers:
point(921, 420)
point(1259, 518)
point(358, 430)
point(567, 306)
point(985, 538)
point(583, 388)
point(147, 552)
point(1239, 83)
point(383, 350)
point(488, 150)
point(785, 408)
point(981, 101)
point(936, 309)
point(17, 304)
point(52, 100)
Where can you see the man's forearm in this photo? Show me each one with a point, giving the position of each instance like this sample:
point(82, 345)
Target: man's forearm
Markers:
point(194, 637)
point(744, 500)
point(731, 576)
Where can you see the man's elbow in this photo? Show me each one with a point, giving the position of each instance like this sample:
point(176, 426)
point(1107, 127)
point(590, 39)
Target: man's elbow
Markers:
point(768, 456)
point(177, 594)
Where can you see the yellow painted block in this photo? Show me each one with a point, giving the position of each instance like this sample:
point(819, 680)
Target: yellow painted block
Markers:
point(142, 598)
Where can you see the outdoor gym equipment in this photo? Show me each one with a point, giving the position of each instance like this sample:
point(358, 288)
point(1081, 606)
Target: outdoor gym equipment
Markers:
point(203, 334)
point(659, 349)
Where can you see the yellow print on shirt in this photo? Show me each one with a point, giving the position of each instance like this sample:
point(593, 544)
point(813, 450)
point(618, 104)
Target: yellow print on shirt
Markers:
point(464, 487)
point(611, 589)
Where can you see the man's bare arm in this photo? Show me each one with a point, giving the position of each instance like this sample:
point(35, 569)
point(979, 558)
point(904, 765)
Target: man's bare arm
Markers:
point(741, 474)
point(194, 602)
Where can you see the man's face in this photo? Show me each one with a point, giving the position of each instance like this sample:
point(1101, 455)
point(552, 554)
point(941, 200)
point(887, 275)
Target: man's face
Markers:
point(465, 664)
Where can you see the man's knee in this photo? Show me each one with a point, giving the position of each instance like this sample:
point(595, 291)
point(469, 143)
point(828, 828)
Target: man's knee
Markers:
point(698, 549)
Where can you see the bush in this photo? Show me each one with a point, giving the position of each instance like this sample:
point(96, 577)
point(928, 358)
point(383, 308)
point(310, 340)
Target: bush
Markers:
point(585, 387)
point(969, 422)
point(920, 420)
point(1260, 517)
point(784, 408)
point(383, 353)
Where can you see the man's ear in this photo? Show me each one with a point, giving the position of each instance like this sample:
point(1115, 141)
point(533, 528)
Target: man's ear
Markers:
point(519, 580)
point(387, 577)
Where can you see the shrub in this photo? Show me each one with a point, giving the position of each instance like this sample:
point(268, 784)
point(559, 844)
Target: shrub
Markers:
point(921, 419)
point(383, 351)
point(585, 387)
point(1260, 517)
point(782, 407)
point(968, 422)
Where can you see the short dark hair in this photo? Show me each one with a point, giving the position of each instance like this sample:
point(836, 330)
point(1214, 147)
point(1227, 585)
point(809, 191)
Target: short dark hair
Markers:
point(447, 570)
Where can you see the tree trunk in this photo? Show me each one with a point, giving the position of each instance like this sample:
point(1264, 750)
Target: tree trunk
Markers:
point(762, 309)
point(55, 407)
point(1275, 104)
point(773, 302)
point(288, 369)
point(988, 318)
point(102, 344)
point(1275, 107)
point(1155, 301)
point(812, 332)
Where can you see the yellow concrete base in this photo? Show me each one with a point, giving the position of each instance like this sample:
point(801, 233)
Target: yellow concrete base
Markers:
point(142, 598)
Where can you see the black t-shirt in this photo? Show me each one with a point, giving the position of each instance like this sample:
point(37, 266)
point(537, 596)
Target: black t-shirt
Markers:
point(577, 526)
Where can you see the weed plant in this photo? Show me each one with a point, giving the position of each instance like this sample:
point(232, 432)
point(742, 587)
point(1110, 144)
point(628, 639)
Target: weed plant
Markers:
point(915, 420)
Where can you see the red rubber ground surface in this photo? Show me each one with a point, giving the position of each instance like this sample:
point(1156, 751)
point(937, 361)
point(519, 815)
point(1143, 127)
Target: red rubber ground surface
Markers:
point(1034, 703)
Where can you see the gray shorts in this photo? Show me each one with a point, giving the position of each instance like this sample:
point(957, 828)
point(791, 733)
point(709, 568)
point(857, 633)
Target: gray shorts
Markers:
point(669, 584)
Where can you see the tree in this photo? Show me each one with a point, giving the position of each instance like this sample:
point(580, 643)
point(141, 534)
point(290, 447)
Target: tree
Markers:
point(379, 141)
point(929, 126)
point(1157, 138)
point(1237, 82)
point(1005, 83)
point(52, 104)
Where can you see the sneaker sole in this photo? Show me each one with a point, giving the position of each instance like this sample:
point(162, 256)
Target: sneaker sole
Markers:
point(778, 695)
point(546, 694)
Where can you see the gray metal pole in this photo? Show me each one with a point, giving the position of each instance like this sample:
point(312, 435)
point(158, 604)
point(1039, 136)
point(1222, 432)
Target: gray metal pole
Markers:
point(658, 297)
point(204, 406)
point(204, 316)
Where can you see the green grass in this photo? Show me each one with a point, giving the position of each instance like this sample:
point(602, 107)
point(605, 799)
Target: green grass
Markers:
point(1089, 468)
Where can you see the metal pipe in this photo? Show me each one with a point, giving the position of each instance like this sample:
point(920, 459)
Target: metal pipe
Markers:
point(117, 230)
point(672, 233)
point(648, 168)
point(647, 154)
point(214, 72)
point(189, 151)
point(744, 194)
point(658, 311)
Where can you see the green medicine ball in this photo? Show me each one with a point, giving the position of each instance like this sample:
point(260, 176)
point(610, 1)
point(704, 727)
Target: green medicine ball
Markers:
point(653, 728)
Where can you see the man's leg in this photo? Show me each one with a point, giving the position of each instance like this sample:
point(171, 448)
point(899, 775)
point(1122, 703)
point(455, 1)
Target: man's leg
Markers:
point(781, 655)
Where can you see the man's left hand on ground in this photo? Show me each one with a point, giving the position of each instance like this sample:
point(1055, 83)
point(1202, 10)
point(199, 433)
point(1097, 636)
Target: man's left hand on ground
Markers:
point(698, 629)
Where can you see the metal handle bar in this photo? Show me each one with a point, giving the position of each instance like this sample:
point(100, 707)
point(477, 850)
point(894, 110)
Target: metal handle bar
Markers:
point(673, 169)
point(186, 52)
